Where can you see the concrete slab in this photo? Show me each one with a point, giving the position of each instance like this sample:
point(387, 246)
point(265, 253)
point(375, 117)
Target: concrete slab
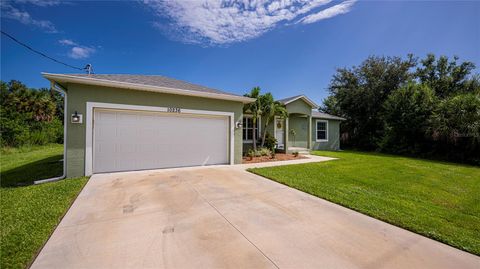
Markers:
point(225, 217)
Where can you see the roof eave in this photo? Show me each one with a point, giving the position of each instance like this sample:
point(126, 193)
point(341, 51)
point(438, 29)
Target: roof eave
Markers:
point(141, 87)
point(306, 99)
point(330, 117)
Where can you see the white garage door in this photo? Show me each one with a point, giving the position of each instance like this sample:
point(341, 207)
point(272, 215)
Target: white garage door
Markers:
point(134, 140)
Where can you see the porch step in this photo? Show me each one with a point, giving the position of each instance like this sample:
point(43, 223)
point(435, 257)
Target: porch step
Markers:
point(302, 151)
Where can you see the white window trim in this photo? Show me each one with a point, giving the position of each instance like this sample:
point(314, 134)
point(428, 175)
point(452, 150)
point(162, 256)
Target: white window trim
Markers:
point(259, 128)
point(316, 131)
point(89, 126)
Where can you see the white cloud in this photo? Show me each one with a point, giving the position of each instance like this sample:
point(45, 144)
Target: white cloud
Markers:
point(11, 12)
point(333, 11)
point(81, 52)
point(77, 51)
point(67, 42)
point(215, 22)
point(40, 3)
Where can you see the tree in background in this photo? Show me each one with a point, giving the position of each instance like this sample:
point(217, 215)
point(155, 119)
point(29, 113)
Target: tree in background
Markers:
point(58, 99)
point(28, 116)
point(358, 94)
point(456, 127)
point(407, 113)
point(447, 77)
point(428, 107)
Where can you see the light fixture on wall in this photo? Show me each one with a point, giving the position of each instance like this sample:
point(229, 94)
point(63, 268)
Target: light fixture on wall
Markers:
point(76, 118)
point(238, 124)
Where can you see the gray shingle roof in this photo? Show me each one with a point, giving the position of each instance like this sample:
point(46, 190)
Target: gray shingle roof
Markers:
point(321, 115)
point(301, 96)
point(150, 80)
point(288, 99)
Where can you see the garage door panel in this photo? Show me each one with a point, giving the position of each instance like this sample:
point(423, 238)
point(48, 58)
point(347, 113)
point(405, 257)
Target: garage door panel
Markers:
point(131, 140)
point(106, 118)
point(127, 118)
point(126, 148)
point(105, 131)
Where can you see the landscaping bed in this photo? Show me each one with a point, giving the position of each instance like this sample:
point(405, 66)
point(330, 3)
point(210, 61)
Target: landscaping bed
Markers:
point(278, 157)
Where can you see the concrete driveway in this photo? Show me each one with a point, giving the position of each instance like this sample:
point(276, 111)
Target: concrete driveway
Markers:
point(225, 217)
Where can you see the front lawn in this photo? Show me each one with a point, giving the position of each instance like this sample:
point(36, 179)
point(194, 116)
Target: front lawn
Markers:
point(21, 166)
point(29, 214)
point(436, 199)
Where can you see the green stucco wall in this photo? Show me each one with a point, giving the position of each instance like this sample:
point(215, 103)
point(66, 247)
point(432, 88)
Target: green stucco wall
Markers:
point(79, 95)
point(300, 125)
point(333, 142)
point(299, 106)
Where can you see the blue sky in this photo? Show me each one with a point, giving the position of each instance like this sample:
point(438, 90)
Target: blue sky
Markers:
point(286, 50)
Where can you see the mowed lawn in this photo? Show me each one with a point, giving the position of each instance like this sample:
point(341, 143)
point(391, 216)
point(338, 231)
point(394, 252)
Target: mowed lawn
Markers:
point(436, 199)
point(30, 213)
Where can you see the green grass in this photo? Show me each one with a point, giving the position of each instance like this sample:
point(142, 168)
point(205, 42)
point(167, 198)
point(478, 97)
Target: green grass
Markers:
point(21, 166)
point(436, 199)
point(29, 214)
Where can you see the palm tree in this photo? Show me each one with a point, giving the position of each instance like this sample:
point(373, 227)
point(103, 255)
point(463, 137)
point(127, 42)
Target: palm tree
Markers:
point(271, 108)
point(254, 108)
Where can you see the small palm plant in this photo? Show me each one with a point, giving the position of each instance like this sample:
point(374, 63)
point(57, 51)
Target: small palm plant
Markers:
point(255, 108)
point(271, 109)
point(294, 133)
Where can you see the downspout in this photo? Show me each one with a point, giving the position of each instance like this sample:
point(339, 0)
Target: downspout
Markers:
point(55, 86)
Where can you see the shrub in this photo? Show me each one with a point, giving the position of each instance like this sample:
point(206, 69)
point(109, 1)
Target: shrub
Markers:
point(407, 116)
point(46, 132)
point(456, 128)
point(295, 154)
point(270, 142)
point(29, 116)
point(259, 152)
point(14, 131)
point(251, 153)
point(265, 151)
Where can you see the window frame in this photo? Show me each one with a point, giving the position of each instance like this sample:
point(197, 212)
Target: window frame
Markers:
point(259, 123)
point(326, 131)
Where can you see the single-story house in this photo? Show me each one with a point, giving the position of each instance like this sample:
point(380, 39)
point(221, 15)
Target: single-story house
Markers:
point(305, 128)
point(135, 122)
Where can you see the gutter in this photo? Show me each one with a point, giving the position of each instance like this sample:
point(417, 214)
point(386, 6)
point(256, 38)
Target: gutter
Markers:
point(57, 87)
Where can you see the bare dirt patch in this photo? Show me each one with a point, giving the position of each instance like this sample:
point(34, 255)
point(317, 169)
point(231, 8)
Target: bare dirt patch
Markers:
point(278, 157)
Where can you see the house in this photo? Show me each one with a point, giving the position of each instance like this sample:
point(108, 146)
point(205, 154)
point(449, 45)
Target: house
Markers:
point(135, 122)
point(305, 128)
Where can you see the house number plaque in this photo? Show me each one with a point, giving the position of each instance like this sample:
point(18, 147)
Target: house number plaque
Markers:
point(174, 110)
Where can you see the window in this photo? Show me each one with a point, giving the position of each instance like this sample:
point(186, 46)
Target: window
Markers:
point(322, 130)
point(248, 129)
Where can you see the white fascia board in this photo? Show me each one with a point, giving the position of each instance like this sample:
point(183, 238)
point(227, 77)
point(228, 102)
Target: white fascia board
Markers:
point(141, 87)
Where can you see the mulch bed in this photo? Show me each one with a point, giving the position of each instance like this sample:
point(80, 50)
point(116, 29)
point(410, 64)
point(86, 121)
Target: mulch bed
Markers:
point(278, 157)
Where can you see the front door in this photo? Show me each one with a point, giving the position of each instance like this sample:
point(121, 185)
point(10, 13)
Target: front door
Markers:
point(279, 133)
